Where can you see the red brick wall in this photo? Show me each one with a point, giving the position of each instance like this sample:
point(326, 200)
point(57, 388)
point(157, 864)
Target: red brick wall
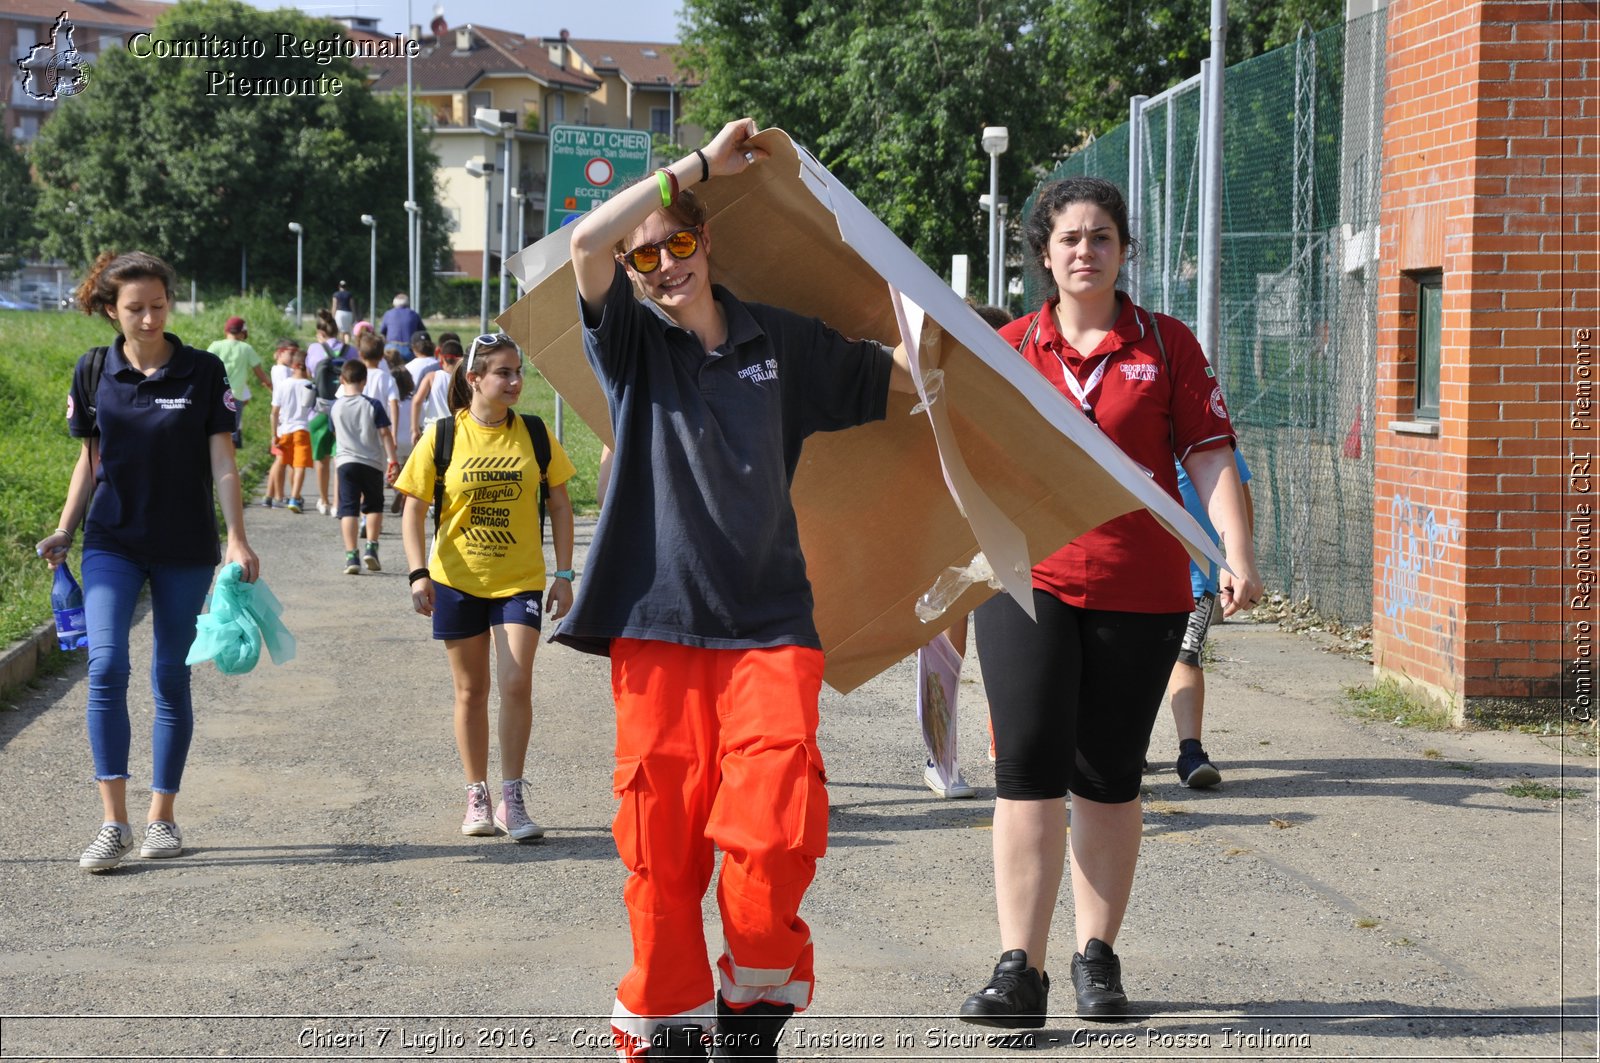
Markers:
point(1489, 175)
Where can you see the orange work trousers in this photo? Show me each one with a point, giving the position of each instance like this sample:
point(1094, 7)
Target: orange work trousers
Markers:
point(716, 749)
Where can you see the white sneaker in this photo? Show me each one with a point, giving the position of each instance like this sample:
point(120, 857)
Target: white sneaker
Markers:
point(323, 508)
point(107, 849)
point(958, 788)
point(162, 840)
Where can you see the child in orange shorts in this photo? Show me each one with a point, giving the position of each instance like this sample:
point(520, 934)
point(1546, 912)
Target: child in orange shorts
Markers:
point(294, 400)
point(275, 473)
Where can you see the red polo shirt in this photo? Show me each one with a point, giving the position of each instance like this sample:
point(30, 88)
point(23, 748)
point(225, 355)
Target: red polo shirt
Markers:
point(1155, 409)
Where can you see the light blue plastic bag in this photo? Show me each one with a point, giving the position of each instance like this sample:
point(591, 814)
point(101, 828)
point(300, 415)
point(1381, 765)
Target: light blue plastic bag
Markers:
point(240, 617)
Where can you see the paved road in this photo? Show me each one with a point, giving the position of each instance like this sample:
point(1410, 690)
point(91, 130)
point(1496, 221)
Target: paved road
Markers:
point(1354, 890)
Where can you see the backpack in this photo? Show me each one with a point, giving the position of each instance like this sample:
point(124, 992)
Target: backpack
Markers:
point(97, 368)
point(328, 371)
point(444, 440)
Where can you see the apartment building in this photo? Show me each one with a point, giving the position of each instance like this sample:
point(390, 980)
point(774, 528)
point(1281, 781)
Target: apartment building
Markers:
point(541, 82)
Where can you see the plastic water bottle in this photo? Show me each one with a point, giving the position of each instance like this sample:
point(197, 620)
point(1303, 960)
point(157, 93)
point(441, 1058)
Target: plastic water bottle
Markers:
point(66, 600)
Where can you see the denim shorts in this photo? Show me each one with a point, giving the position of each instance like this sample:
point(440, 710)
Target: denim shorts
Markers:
point(458, 615)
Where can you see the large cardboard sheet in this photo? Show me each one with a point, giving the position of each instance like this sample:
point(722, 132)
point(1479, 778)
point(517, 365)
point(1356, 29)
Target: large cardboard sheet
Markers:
point(879, 522)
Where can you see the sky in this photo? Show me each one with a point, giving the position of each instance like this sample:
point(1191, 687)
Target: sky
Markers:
point(621, 20)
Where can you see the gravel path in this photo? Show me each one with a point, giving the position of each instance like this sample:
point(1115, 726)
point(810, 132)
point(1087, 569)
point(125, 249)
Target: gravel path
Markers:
point(1354, 890)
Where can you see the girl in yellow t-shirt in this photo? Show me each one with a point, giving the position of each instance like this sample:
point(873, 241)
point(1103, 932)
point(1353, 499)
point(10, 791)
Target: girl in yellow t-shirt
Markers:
point(485, 577)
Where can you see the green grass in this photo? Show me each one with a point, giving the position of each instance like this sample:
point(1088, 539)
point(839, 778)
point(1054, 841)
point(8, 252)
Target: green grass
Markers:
point(37, 455)
point(1540, 792)
point(581, 445)
point(1388, 702)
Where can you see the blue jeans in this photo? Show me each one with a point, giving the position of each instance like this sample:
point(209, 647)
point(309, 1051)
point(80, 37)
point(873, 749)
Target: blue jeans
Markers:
point(111, 585)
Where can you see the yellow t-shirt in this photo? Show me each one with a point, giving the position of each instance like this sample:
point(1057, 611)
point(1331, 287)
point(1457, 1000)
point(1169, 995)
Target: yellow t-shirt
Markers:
point(488, 543)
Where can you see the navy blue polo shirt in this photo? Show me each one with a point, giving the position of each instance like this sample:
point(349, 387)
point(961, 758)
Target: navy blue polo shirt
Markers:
point(153, 499)
point(697, 542)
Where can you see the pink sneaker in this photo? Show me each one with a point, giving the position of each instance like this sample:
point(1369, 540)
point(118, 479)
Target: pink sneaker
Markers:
point(477, 822)
point(512, 815)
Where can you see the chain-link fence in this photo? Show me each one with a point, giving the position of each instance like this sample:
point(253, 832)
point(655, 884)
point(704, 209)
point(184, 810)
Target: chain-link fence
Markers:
point(1296, 351)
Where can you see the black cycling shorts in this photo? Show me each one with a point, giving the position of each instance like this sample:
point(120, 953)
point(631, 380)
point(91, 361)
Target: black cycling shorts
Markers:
point(1073, 696)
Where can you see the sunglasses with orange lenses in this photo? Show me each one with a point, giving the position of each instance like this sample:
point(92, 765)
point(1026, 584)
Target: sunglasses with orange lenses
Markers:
point(646, 258)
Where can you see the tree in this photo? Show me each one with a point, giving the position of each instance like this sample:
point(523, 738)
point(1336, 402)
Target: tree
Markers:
point(889, 94)
point(1108, 51)
point(17, 196)
point(892, 95)
point(182, 158)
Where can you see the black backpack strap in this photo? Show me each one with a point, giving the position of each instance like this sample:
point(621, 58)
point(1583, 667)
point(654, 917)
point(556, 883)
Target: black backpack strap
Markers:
point(444, 442)
point(97, 368)
point(541, 454)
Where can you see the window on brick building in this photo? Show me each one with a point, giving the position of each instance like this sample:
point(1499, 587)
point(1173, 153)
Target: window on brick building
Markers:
point(1430, 292)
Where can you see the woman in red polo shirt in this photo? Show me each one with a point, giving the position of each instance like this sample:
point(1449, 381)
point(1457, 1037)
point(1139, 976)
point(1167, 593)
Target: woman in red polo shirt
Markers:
point(1074, 695)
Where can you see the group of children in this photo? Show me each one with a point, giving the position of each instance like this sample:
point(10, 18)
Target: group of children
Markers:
point(340, 408)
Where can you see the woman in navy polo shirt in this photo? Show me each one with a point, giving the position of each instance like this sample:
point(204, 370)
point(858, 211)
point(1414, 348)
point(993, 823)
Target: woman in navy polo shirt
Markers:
point(157, 434)
point(1073, 695)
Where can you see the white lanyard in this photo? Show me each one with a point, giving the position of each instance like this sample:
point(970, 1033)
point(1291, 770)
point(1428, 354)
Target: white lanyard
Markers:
point(1080, 391)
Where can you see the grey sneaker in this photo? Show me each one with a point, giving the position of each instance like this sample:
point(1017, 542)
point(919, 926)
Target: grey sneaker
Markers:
point(370, 557)
point(107, 849)
point(161, 840)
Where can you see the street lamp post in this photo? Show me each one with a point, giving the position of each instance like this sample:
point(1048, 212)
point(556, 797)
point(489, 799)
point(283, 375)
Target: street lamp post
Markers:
point(485, 170)
point(299, 264)
point(995, 141)
point(413, 235)
point(372, 265)
point(500, 123)
point(997, 297)
point(414, 266)
point(1001, 268)
point(522, 217)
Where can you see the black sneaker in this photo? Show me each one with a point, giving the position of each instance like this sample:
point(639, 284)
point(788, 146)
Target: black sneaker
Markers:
point(1097, 979)
point(1196, 771)
point(677, 1042)
point(1014, 999)
point(751, 1032)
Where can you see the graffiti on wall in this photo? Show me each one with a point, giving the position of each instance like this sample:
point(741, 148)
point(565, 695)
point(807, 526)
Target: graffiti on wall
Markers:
point(1416, 549)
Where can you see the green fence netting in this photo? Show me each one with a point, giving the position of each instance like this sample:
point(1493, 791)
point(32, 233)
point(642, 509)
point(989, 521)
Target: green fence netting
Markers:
point(1296, 352)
